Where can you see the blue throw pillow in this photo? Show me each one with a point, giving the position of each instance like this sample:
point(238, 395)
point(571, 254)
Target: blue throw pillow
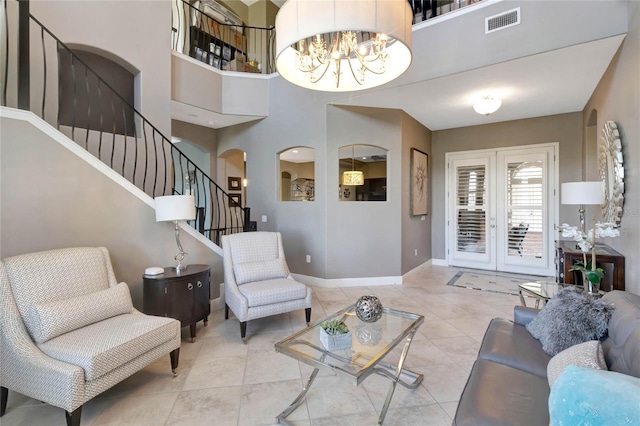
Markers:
point(584, 396)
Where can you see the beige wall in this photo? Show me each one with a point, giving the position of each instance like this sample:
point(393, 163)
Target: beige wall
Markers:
point(298, 170)
point(136, 31)
point(416, 230)
point(617, 98)
point(52, 199)
point(566, 129)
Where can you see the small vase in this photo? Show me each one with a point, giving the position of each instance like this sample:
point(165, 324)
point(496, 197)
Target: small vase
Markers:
point(335, 342)
point(589, 287)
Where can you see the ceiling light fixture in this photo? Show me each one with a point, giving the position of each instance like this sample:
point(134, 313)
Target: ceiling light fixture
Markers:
point(343, 45)
point(487, 105)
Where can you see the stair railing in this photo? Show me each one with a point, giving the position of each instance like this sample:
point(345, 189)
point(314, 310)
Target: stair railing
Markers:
point(110, 128)
point(200, 33)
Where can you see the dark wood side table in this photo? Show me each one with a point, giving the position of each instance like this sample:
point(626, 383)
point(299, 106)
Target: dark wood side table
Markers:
point(567, 253)
point(183, 296)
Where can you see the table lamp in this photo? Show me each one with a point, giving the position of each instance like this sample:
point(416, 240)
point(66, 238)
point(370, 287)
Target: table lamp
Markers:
point(582, 194)
point(174, 208)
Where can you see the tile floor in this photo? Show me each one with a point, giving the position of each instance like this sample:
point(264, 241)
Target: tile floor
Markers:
point(222, 381)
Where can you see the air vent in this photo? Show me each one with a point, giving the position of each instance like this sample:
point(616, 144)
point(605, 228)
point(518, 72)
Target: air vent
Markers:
point(502, 21)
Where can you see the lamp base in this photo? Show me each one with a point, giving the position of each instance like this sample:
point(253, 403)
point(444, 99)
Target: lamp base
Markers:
point(179, 268)
point(179, 258)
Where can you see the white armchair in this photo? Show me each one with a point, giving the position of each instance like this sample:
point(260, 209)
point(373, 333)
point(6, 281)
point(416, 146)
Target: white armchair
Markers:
point(257, 281)
point(69, 330)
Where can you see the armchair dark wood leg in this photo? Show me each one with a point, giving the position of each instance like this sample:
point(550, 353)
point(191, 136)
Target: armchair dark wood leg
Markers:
point(175, 356)
point(307, 313)
point(4, 395)
point(73, 418)
point(226, 311)
point(243, 331)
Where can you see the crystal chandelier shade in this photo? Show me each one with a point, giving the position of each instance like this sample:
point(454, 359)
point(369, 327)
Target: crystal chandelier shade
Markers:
point(343, 45)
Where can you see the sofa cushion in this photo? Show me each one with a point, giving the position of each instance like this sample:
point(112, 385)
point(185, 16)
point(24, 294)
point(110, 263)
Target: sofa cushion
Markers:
point(622, 346)
point(272, 291)
point(106, 345)
point(571, 317)
point(259, 271)
point(511, 344)
point(588, 354)
point(584, 396)
point(497, 394)
point(52, 319)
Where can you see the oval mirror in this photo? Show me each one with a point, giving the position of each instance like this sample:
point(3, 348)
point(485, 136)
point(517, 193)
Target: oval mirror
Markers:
point(611, 168)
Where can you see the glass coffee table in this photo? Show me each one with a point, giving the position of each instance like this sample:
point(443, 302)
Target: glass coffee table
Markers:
point(540, 290)
point(371, 342)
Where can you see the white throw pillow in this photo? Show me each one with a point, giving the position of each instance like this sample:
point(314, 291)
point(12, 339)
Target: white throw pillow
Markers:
point(52, 319)
point(587, 354)
point(249, 272)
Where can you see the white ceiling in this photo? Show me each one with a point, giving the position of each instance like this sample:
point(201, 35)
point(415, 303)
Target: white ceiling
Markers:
point(549, 64)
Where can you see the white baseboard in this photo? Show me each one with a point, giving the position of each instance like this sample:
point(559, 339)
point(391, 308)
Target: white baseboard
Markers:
point(439, 262)
point(347, 282)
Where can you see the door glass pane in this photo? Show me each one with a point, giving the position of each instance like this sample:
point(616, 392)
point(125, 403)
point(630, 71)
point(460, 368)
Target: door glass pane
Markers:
point(471, 194)
point(524, 209)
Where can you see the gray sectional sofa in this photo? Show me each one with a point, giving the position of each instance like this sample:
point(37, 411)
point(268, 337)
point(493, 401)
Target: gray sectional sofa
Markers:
point(508, 382)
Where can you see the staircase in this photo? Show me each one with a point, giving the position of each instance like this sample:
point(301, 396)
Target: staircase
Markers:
point(51, 80)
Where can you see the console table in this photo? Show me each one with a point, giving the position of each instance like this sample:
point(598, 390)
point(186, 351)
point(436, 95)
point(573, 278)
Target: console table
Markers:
point(183, 296)
point(567, 253)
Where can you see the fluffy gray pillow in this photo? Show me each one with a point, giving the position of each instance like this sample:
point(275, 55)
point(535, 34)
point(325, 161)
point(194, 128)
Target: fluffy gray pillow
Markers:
point(571, 317)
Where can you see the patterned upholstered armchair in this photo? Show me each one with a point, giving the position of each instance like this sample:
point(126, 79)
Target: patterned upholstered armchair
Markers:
point(257, 281)
point(69, 330)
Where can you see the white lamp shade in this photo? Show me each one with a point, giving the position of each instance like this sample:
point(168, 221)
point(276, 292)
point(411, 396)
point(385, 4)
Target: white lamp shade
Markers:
point(175, 207)
point(353, 178)
point(301, 19)
point(582, 193)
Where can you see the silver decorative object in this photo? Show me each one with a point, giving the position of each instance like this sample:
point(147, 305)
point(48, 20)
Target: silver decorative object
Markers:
point(369, 334)
point(369, 308)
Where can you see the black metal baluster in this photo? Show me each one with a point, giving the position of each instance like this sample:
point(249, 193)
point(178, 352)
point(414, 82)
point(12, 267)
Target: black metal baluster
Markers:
point(124, 145)
point(113, 130)
point(86, 81)
point(44, 80)
point(73, 81)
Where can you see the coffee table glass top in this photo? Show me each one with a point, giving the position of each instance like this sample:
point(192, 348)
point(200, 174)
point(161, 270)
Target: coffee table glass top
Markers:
point(370, 342)
point(542, 289)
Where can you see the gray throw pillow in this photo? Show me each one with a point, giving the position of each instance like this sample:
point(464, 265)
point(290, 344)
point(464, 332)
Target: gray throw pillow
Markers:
point(571, 317)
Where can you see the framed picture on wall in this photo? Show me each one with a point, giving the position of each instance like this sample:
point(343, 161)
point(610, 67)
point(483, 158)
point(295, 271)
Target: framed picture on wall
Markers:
point(419, 183)
point(234, 184)
point(237, 198)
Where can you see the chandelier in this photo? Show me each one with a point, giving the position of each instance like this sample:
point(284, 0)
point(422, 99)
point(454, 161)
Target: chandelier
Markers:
point(343, 45)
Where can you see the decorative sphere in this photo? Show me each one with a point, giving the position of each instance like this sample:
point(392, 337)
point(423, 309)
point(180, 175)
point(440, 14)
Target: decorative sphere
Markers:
point(369, 334)
point(369, 308)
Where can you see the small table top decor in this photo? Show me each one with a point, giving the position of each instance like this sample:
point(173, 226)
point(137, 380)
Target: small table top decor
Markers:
point(374, 341)
point(369, 308)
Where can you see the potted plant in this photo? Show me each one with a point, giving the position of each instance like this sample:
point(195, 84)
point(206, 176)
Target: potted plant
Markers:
point(592, 275)
point(334, 335)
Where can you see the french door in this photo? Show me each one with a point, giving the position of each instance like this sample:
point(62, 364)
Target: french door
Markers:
point(502, 209)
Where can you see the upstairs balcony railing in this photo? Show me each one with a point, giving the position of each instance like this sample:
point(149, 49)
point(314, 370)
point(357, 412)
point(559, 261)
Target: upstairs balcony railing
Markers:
point(201, 31)
point(46, 77)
